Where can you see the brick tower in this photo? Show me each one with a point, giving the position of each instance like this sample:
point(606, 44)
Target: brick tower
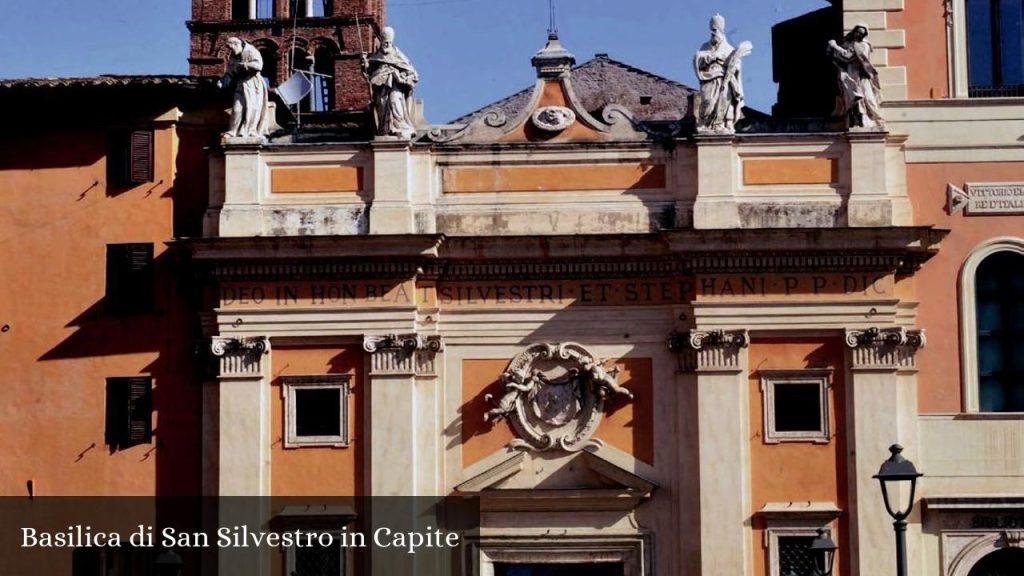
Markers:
point(324, 36)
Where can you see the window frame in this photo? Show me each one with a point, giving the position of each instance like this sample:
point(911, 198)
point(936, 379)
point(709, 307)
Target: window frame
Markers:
point(292, 384)
point(970, 382)
point(794, 519)
point(957, 48)
point(822, 377)
point(329, 520)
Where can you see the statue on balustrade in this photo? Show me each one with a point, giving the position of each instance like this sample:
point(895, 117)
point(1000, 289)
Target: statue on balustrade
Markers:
point(718, 67)
point(860, 94)
point(392, 79)
point(243, 75)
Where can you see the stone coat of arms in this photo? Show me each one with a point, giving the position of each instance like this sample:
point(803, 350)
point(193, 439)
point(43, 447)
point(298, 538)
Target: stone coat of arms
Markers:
point(555, 395)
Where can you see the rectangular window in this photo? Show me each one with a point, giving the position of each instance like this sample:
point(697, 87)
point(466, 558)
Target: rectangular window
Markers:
point(129, 416)
point(316, 410)
point(264, 8)
point(995, 47)
point(794, 554)
point(129, 157)
point(796, 407)
point(130, 283)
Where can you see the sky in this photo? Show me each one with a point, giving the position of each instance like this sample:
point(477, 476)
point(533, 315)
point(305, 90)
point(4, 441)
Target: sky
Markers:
point(469, 53)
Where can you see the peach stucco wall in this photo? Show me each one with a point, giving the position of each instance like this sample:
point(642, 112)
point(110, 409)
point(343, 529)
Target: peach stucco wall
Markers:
point(937, 283)
point(925, 53)
point(59, 346)
point(797, 471)
point(315, 471)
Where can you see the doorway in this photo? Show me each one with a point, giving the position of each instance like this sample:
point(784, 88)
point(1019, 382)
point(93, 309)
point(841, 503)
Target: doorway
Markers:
point(588, 569)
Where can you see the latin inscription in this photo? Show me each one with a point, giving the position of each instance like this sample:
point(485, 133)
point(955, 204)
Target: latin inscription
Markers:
point(997, 522)
point(612, 292)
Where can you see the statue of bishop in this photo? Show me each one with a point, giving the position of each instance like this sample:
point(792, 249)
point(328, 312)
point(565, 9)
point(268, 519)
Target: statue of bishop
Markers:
point(717, 65)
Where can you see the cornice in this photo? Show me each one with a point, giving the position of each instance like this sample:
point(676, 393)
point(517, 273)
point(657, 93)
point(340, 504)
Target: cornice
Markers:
point(891, 250)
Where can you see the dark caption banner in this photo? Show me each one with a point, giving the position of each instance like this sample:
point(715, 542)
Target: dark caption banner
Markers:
point(138, 536)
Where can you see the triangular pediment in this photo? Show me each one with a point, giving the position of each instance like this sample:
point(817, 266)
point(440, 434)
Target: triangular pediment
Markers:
point(528, 481)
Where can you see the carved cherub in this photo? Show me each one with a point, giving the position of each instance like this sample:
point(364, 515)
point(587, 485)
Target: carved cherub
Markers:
point(605, 382)
point(513, 384)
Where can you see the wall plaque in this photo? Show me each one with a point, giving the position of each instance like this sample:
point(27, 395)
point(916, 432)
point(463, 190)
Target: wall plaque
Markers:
point(987, 198)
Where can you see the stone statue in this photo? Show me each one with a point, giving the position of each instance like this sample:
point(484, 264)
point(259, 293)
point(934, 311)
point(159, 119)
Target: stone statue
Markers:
point(249, 111)
point(717, 65)
point(392, 79)
point(860, 94)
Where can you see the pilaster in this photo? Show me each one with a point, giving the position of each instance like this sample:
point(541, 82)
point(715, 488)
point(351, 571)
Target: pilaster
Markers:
point(716, 205)
point(717, 361)
point(391, 212)
point(402, 396)
point(882, 410)
point(238, 415)
point(869, 203)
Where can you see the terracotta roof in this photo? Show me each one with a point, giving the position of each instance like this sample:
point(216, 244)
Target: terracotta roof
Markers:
point(104, 80)
point(602, 81)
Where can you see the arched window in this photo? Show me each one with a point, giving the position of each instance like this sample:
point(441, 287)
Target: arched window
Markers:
point(269, 53)
point(322, 97)
point(1000, 563)
point(992, 327)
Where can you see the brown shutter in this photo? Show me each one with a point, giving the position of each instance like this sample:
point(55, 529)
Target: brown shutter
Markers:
point(129, 418)
point(140, 411)
point(141, 156)
point(130, 283)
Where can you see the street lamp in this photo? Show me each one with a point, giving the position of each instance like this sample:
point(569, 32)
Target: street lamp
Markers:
point(823, 550)
point(894, 472)
point(168, 563)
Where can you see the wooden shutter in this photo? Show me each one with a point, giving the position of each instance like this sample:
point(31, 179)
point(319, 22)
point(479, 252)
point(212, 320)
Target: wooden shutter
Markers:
point(140, 156)
point(129, 419)
point(130, 282)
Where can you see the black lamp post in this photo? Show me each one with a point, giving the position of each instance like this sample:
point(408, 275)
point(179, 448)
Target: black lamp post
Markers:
point(894, 472)
point(823, 550)
point(168, 563)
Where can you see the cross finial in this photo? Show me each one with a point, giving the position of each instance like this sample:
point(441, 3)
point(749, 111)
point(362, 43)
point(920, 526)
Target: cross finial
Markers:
point(552, 21)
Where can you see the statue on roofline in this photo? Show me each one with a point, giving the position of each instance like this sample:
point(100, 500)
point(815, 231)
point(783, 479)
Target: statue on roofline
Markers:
point(718, 67)
point(860, 93)
point(243, 75)
point(392, 78)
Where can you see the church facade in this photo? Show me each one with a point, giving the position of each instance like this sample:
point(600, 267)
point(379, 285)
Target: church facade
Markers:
point(647, 334)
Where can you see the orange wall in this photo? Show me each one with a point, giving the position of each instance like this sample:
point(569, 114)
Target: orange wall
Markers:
point(56, 221)
point(317, 471)
point(627, 425)
point(925, 52)
point(937, 283)
point(797, 471)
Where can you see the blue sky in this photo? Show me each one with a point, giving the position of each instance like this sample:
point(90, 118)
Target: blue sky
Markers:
point(468, 52)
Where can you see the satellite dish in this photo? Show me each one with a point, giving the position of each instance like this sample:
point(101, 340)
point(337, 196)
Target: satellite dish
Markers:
point(293, 90)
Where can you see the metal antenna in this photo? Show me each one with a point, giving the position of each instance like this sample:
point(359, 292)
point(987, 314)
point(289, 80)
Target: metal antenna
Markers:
point(552, 21)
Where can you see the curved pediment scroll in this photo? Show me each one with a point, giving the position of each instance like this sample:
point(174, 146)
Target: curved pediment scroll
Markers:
point(555, 395)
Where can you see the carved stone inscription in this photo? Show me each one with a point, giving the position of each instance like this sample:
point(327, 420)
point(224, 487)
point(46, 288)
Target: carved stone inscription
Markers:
point(990, 198)
point(554, 293)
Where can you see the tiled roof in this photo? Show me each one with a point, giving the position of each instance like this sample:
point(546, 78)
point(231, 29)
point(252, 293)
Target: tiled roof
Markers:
point(602, 81)
point(104, 80)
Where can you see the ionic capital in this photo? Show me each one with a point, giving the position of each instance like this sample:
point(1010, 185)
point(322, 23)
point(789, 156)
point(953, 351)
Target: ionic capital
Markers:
point(403, 354)
point(884, 348)
point(709, 351)
point(240, 357)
